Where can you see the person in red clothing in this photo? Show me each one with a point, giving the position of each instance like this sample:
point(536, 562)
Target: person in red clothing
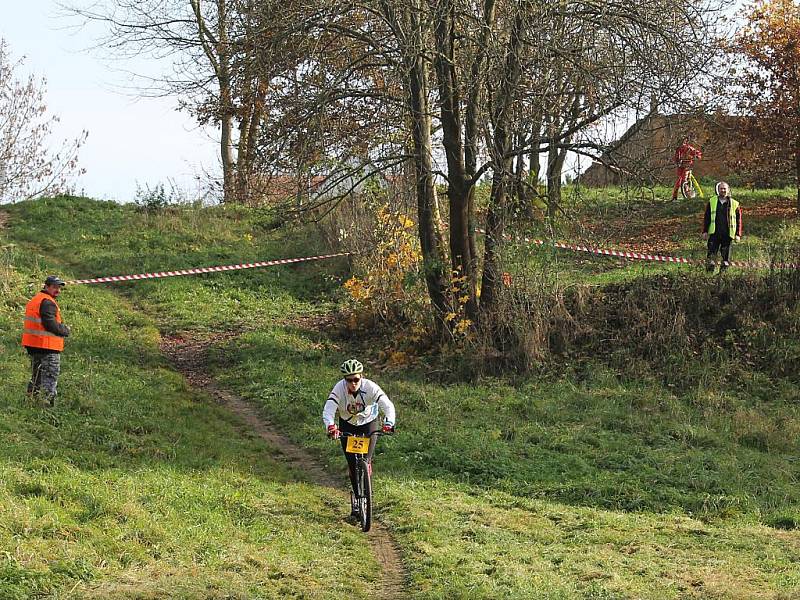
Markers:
point(684, 158)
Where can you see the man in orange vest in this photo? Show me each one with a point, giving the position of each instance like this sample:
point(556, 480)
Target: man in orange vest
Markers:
point(43, 337)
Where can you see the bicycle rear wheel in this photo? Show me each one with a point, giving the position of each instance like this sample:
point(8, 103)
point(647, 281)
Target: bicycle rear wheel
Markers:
point(366, 499)
point(687, 187)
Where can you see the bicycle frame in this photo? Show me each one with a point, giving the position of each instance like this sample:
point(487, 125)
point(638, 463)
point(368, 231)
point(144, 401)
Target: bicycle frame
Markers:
point(363, 493)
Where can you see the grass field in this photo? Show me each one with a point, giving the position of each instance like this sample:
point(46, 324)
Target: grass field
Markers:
point(645, 221)
point(581, 481)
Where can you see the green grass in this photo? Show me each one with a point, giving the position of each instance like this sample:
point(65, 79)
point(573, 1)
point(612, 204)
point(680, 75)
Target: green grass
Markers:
point(632, 463)
point(581, 483)
point(134, 486)
point(594, 440)
point(487, 544)
point(647, 222)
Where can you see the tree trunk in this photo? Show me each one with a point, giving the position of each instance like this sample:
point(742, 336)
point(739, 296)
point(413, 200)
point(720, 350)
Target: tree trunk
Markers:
point(490, 282)
point(555, 167)
point(534, 164)
point(504, 164)
point(253, 101)
point(475, 110)
point(432, 258)
point(797, 172)
point(226, 105)
point(459, 185)
point(523, 195)
point(242, 168)
point(218, 54)
point(226, 144)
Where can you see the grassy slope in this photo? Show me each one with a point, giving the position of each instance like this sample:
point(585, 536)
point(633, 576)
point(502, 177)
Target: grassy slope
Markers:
point(578, 486)
point(643, 221)
point(134, 486)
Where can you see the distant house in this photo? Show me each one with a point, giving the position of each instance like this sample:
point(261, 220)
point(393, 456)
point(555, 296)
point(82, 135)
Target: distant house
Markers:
point(274, 189)
point(644, 152)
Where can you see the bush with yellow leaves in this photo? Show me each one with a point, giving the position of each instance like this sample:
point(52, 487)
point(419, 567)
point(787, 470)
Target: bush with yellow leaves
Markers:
point(387, 285)
point(458, 324)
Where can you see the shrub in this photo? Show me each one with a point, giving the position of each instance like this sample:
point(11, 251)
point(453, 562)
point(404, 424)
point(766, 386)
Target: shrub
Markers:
point(158, 197)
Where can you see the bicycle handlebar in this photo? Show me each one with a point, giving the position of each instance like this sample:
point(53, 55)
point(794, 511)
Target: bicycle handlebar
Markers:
point(364, 435)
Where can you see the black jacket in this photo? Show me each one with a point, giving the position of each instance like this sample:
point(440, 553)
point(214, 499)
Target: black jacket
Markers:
point(47, 310)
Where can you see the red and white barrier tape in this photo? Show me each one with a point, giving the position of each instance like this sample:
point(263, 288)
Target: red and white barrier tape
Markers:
point(562, 245)
point(199, 270)
point(655, 257)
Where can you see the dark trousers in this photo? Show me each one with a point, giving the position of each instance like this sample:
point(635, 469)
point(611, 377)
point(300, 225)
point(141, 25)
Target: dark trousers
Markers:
point(373, 427)
point(721, 244)
point(45, 368)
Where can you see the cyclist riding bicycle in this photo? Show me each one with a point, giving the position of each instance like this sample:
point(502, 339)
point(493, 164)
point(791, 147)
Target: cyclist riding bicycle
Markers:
point(358, 401)
point(684, 158)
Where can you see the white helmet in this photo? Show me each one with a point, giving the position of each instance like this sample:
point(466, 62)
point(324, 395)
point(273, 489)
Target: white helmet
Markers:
point(351, 367)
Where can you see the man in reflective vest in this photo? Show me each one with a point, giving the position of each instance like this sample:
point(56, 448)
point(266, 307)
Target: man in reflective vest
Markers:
point(722, 224)
point(43, 337)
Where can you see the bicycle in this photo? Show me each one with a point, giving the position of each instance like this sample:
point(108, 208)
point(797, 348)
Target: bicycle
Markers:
point(690, 186)
point(358, 445)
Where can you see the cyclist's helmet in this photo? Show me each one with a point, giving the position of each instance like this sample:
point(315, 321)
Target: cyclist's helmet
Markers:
point(351, 367)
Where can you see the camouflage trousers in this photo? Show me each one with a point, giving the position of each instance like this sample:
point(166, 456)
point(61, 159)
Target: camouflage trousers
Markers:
point(44, 375)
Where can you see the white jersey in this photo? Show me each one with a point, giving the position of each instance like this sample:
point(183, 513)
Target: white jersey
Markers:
point(359, 408)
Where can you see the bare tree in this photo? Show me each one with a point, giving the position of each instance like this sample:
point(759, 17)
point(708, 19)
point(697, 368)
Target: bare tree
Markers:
point(562, 67)
point(28, 166)
point(355, 105)
point(767, 50)
point(352, 88)
point(219, 65)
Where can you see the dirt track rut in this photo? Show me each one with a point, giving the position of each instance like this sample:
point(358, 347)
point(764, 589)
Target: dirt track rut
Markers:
point(190, 357)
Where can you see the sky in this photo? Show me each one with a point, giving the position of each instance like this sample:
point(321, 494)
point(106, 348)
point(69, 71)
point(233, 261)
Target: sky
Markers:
point(132, 142)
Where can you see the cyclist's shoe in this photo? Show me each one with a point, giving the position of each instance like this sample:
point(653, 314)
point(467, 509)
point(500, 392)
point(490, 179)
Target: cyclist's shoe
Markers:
point(353, 505)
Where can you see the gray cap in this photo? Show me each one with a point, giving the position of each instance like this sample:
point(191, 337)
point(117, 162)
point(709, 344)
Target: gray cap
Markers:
point(54, 280)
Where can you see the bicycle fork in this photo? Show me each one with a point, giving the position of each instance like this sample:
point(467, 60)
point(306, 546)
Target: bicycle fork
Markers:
point(363, 469)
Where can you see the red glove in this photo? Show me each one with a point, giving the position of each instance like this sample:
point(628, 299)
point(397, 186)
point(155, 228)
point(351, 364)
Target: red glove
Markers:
point(388, 429)
point(333, 432)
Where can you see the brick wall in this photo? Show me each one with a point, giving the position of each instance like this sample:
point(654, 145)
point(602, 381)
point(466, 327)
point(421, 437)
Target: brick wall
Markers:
point(644, 153)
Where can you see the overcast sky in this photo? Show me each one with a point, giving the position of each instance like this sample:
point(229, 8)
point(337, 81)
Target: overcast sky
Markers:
point(145, 141)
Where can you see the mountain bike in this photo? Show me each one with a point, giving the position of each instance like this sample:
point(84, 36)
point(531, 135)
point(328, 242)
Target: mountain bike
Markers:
point(358, 445)
point(690, 187)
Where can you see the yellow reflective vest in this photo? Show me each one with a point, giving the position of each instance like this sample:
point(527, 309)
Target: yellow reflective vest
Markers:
point(712, 226)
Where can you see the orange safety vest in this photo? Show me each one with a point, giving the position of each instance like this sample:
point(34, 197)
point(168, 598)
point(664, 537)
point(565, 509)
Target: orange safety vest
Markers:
point(34, 335)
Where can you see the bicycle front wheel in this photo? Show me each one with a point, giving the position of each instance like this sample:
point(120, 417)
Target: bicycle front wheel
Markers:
point(687, 188)
point(366, 499)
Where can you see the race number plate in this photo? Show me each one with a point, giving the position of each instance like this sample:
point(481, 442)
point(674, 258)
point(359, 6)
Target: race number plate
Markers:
point(357, 445)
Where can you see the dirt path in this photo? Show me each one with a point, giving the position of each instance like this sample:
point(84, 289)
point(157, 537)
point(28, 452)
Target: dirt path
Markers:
point(3, 219)
point(190, 358)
